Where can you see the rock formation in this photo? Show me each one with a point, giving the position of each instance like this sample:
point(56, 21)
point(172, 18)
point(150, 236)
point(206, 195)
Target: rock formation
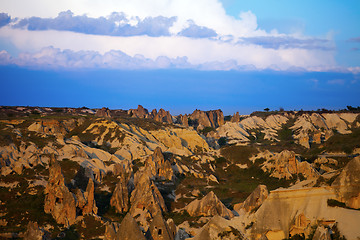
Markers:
point(158, 166)
point(103, 112)
point(161, 116)
point(286, 165)
point(140, 112)
point(302, 226)
point(183, 120)
point(146, 198)
point(110, 230)
point(254, 200)
point(283, 209)
point(129, 229)
point(347, 184)
point(322, 233)
point(218, 228)
point(209, 205)
point(33, 232)
point(120, 197)
point(235, 117)
point(59, 201)
point(159, 229)
point(212, 118)
point(88, 198)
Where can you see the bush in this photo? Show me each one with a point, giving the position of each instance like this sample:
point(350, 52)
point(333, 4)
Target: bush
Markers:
point(222, 141)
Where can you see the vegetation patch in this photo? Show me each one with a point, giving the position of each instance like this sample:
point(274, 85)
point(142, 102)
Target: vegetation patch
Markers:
point(344, 142)
point(206, 130)
point(90, 228)
point(238, 154)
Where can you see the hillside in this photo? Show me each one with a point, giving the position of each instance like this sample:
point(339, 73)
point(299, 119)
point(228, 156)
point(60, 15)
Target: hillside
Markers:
point(80, 173)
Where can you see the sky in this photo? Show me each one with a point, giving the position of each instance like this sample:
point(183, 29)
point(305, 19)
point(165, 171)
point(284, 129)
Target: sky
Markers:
point(181, 55)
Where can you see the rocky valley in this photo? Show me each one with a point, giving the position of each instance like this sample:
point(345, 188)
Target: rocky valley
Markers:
point(80, 173)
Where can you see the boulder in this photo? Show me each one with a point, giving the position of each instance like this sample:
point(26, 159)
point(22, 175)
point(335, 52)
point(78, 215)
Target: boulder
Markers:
point(209, 205)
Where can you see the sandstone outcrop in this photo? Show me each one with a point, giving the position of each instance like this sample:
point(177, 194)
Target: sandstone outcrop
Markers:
point(254, 200)
point(347, 184)
point(59, 201)
point(103, 112)
point(158, 166)
point(120, 197)
point(209, 205)
point(159, 229)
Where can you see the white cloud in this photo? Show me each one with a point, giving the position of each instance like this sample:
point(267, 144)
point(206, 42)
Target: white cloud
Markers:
point(55, 58)
point(206, 13)
point(198, 51)
point(239, 44)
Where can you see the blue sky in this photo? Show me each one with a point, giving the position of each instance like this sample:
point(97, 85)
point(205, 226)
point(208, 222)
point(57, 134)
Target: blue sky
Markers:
point(181, 54)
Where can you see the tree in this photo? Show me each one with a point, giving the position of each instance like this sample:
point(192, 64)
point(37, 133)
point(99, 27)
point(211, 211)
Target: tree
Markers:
point(266, 109)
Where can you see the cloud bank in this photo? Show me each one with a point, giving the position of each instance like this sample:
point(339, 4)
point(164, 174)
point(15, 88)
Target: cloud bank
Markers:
point(175, 33)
